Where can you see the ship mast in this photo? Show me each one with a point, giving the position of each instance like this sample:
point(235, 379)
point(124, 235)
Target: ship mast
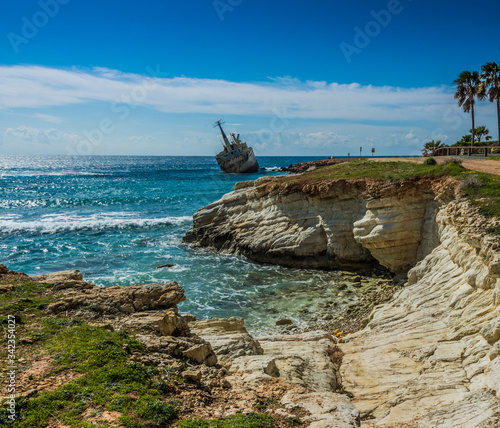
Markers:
point(227, 144)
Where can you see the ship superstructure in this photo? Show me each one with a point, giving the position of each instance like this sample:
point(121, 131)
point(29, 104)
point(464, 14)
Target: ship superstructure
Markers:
point(237, 156)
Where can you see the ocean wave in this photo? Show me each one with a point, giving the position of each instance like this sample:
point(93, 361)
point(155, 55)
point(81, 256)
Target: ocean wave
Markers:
point(20, 174)
point(55, 223)
point(272, 168)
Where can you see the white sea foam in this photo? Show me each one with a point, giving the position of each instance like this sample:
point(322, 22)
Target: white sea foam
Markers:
point(56, 223)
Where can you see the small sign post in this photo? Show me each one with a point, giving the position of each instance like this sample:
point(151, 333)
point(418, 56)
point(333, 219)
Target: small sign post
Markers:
point(373, 150)
point(360, 150)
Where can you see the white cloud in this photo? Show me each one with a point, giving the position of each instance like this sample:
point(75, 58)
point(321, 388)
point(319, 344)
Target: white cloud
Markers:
point(39, 87)
point(49, 118)
point(411, 135)
point(142, 139)
point(27, 134)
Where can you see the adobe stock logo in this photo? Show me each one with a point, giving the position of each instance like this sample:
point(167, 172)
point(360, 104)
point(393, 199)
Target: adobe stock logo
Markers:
point(224, 6)
point(363, 36)
point(30, 27)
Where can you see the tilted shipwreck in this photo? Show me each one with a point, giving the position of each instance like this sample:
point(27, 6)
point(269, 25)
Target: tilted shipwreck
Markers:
point(236, 157)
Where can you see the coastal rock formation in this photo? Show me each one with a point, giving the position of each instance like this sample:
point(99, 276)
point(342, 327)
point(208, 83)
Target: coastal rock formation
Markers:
point(303, 362)
point(149, 309)
point(228, 337)
point(223, 365)
point(337, 224)
point(112, 300)
point(431, 355)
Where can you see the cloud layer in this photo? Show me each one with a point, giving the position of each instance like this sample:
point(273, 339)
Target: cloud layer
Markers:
point(38, 87)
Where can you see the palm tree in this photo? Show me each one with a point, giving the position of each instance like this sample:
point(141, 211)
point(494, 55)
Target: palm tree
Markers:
point(491, 86)
point(468, 85)
point(481, 131)
point(431, 146)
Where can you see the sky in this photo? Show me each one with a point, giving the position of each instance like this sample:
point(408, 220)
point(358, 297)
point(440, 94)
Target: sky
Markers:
point(317, 77)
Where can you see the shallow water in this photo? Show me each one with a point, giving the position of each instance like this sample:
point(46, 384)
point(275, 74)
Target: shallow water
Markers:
point(117, 218)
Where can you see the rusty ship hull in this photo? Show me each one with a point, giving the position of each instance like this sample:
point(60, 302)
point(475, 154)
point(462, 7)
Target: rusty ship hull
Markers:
point(237, 157)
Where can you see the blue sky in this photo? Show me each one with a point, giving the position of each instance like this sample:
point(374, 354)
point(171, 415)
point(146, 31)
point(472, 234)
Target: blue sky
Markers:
point(292, 77)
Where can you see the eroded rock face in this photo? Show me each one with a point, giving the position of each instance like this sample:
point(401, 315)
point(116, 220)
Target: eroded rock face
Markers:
point(113, 300)
point(431, 355)
point(228, 337)
point(301, 363)
point(340, 224)
point(302, 359)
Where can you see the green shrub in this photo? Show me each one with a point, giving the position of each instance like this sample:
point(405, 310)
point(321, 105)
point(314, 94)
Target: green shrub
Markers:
point(430, 161)
point(154, 412)
point(250, 420)
point(293, 421)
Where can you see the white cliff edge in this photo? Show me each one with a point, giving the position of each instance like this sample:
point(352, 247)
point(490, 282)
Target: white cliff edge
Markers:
point(432, 355)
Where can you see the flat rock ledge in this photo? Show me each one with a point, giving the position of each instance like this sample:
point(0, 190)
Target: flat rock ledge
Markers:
point(302, 361)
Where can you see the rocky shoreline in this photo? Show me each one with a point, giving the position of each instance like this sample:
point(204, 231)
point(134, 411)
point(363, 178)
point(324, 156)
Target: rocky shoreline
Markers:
point(424, 348)
point(429, 357)
point(214, 368)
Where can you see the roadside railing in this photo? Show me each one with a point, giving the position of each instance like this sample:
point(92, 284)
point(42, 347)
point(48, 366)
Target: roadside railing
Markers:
point(464, 151)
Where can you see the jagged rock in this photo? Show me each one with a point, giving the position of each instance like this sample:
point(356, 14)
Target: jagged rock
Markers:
point(192, 375)
point(193, 347)
point(167, 322)
point(3, 269)
point(200, 353)
point(114, 300)
point(62, 276)
point(303, 359)
point(261, 364)
point(494, 351)
point(427, 355)
point(327, 410)
point(228, 337)
point(491, 331)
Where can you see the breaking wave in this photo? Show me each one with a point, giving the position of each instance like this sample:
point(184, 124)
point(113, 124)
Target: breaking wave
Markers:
point(50, 224)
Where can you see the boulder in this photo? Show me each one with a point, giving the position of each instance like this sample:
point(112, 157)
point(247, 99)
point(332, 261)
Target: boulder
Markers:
point(491, 331)
point(115, 300)
point(228, 337)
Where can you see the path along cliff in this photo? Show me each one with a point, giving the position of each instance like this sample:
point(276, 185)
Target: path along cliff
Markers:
point(431, 356)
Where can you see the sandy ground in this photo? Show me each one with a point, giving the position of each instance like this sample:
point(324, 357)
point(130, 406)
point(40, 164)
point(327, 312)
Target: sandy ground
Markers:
point(475, 164)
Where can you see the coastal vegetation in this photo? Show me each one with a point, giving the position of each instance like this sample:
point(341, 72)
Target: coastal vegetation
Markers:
point(86, 375)
point(469, 87)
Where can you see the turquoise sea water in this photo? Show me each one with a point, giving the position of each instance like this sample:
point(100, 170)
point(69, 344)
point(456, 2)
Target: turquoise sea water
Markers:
point(117, 218)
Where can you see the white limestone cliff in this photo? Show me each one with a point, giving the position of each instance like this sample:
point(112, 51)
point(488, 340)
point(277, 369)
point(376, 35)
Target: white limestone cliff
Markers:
point(431, 356)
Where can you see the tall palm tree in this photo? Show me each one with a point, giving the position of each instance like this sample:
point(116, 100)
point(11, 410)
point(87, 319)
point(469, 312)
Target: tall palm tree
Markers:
point(491, 86)
point(468, 85)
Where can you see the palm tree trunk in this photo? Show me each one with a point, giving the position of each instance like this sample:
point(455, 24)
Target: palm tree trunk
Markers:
point(473, 124)
point(498, 117)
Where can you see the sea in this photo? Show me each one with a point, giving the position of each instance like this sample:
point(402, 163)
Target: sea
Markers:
point(117, 218)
